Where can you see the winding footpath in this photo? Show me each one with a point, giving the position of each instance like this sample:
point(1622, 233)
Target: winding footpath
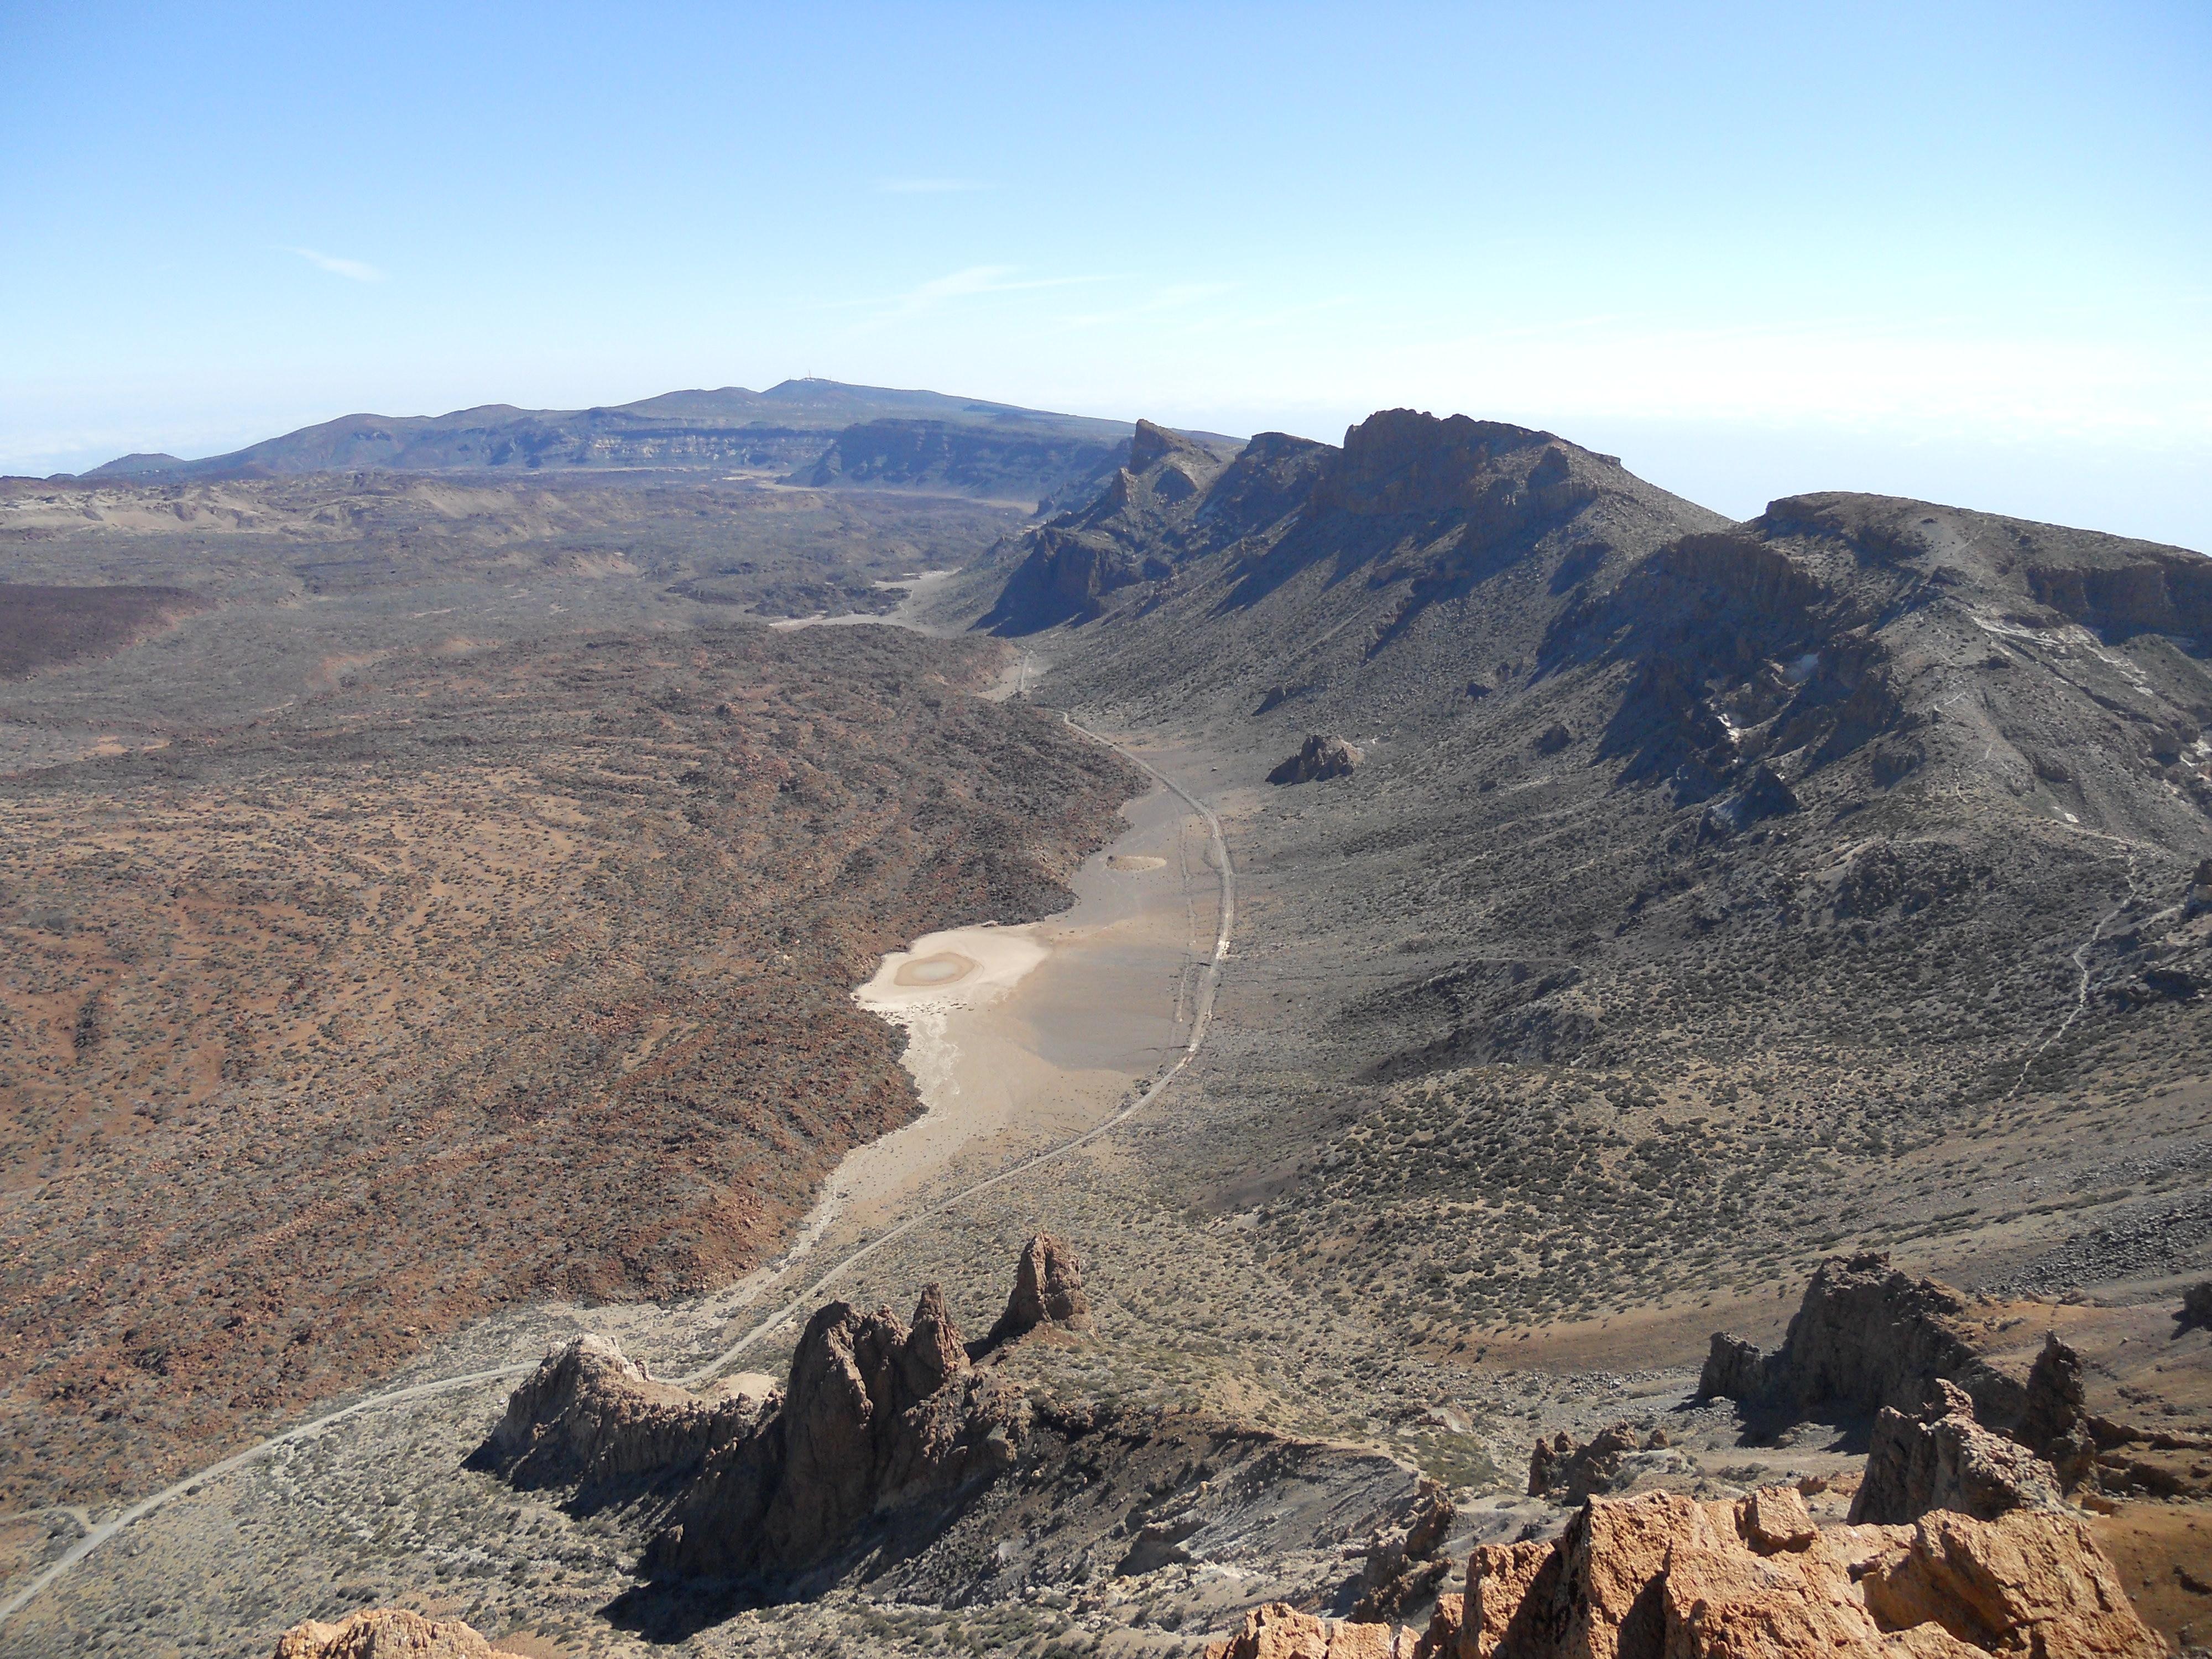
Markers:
point(1201, 1020)
point(2080, 958)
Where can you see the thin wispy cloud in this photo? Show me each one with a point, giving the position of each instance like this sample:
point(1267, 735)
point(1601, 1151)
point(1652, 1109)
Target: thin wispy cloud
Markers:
point(1175, 297)
point(353, 270)
point(928, 186)
point(974, 282)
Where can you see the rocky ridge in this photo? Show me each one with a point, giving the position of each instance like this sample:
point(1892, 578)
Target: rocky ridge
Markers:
point(878, 1416)
point(1015, 464)
point(1655, 815)
point(1661, 1574)
point(384, 1633)
point(915, 434)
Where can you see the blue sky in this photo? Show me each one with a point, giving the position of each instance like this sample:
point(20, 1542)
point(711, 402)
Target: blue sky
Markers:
point(1959, 251)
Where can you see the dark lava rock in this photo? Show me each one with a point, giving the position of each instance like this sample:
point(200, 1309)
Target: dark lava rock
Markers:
point(1047, 1290)
point(1867, 1336)
point(1319, 758)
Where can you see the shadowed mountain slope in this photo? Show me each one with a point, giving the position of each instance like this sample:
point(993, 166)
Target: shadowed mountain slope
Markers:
point(1706, 895)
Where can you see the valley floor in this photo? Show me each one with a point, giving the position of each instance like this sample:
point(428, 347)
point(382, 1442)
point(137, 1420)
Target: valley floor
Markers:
point(1223, 1281)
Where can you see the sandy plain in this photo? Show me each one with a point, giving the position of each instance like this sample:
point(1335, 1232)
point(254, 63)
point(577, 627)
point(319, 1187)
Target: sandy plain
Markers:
point(1027, 1034)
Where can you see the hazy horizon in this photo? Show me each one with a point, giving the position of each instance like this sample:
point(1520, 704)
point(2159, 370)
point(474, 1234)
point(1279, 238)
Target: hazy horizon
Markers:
point(1958, 258)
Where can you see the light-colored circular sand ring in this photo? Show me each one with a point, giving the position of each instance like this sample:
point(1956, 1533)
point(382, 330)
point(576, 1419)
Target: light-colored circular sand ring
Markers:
point(1135, 861)
point(946, 968)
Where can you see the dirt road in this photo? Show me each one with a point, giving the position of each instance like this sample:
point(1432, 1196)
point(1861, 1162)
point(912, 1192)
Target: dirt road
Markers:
point(789, 1305)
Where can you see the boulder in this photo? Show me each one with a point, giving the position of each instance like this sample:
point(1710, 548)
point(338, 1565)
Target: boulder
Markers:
point(591, 1418)
point(1775, 1518)
point(1047, 1290)
point(2200, 890)
point(2197, 1306)
point(383, 1633)
point(1944, 1459)
point(1318, 759)
point(1867, 1336)
point(1734, 1370)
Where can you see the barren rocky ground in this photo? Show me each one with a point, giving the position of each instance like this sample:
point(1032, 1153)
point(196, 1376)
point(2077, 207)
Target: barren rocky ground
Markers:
point(1706, 902)
point(482, 978)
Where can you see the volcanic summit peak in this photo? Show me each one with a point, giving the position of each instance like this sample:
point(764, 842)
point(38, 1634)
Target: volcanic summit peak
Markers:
point(1404, 460)
point(1153, 444)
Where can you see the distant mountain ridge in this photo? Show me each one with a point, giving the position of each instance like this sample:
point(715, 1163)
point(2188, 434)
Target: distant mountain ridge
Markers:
point(921, 440)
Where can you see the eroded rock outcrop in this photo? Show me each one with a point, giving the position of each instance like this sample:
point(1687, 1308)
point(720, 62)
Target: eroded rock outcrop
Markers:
point(1868, 1335)
point(1319, 758)
point(591, 1418)
point(2029, 1583)
point(1568, 1471)
point(1406, 1564)
point(2055, 1420)
point(878, 1414)
point(1047, 1290)
point(880, 1417)
point(1133, 531)
point(1661, 1575)
point(1944, 1459)
point(383, 1633)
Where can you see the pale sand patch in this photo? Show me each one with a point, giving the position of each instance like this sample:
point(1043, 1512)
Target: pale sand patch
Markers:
point(1015, 1036)
point(963, 967)
point(941, 993)
point(1132, 863)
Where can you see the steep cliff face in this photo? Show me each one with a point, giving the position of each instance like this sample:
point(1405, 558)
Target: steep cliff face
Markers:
point(1834, 623)
point(972, 461)
point(1134, 530)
